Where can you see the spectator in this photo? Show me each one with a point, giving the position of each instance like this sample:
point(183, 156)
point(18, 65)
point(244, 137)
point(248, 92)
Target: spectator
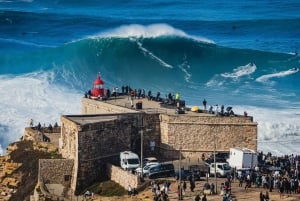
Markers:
point(197, 198)
point(129, 191)
point(31, 122)
point(204, 104)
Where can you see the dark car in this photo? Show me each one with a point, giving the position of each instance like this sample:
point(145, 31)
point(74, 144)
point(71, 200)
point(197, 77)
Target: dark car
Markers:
point(161, 170)
point(187, 174)
point(220, 158)
point(200, 170)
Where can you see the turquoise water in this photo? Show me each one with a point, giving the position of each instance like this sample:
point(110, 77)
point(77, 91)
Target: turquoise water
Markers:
point(237, 53)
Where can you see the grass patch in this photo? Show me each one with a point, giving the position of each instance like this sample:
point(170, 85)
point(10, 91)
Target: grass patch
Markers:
point(108, 189)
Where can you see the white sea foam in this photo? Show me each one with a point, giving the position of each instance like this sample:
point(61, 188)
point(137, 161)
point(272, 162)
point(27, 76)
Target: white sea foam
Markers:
point(35, 96)
point(32, 96)
point(156, 58)
point(278, 129)
point(265, 78)
point(150, 31)
point(25, 43)
point(241, 71)
point(184, 67)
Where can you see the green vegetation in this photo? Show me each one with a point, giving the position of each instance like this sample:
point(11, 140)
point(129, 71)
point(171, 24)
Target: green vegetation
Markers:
point(28, 172)
point(108, 189)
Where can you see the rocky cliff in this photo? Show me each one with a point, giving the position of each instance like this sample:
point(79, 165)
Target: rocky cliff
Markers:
point(19, 167)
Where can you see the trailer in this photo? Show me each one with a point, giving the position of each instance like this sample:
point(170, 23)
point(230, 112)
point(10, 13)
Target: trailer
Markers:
point(240, 158)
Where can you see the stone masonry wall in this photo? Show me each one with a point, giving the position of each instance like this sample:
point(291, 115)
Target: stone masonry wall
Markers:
point(122, 177)
point(68, 140)
point(92, 145)
point(90, 106)
point(151, 133)
point(69, 146)
point(198, 133)
point(97, 142)
point(56, 171)
point(102, 140)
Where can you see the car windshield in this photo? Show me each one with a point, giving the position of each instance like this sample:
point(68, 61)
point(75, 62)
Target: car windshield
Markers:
point(133, 161)
point(147, 167)
point(226, 167)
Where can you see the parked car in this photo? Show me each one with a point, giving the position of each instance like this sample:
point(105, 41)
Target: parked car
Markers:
point(220, 158)
point(201, 170)
point(187, 174)
point(161, 170)
point(149, 160)
point(145, 168)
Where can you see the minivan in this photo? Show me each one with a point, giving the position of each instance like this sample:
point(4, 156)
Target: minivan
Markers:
point(161, 170)
point(129, 160)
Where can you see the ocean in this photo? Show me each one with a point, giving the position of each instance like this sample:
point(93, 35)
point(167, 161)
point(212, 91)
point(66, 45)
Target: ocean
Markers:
point(242, 54)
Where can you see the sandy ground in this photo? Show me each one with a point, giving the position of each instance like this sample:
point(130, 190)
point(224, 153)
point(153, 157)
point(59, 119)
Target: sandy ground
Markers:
point(238, 193)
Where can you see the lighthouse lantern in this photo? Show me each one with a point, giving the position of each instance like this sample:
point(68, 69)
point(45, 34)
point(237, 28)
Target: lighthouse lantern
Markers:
point(98, 90)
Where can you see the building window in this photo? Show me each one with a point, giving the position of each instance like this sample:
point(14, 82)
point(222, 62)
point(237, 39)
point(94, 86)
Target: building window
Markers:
point(67, 178)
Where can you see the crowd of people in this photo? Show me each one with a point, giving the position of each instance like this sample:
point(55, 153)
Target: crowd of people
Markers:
point(169, 99)
point(273, 173)
point(41, 130)
point(160, 193)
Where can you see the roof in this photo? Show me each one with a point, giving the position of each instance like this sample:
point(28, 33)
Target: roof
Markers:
point(89, 119)
point(244, 150)
point(150, 106)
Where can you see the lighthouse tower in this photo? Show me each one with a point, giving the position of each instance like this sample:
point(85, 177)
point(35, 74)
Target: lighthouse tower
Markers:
point(98, 91)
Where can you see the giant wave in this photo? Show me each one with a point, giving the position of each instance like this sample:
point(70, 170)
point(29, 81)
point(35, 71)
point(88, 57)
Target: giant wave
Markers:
point(42, 83)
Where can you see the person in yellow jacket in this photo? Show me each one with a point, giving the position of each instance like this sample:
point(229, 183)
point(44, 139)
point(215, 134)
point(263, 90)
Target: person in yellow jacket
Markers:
point(177, 96)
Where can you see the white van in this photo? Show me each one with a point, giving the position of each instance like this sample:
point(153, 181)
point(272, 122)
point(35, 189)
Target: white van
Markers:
point(222, 169)
point(129, 160)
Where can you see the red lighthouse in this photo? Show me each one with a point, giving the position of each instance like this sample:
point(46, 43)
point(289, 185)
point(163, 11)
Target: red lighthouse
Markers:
point(98, 91)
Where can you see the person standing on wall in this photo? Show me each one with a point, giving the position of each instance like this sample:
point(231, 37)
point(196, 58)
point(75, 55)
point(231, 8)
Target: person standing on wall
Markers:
point(204, 104)
point(31, 122)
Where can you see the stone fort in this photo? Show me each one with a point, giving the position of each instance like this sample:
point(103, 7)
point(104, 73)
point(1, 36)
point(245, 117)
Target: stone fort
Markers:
point(90, 141)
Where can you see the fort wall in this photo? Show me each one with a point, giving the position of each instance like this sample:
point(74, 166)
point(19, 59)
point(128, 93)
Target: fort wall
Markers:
point(104, 130)
point(122, 177)
point(94, 140)
point(49, 171)
point(205, 133)
point(90, 106)
point(54, 172)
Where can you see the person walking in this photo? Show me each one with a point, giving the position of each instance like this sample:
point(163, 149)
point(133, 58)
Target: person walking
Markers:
point(129, 190)
point(184, 186)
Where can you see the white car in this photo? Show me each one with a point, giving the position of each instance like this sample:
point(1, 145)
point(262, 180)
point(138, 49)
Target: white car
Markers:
point(149, 160)
point(146, 168)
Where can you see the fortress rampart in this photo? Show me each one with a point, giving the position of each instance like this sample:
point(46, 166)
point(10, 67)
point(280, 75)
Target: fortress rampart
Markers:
point(94, 140)
point(202, 133)
point(106, 128)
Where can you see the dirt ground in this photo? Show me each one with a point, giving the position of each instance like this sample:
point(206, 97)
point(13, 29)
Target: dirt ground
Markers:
point(238, 193)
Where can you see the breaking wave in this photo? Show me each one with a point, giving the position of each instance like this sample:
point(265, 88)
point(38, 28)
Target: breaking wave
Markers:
point(50, 81)
point(265, 78)
point(241, 71)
